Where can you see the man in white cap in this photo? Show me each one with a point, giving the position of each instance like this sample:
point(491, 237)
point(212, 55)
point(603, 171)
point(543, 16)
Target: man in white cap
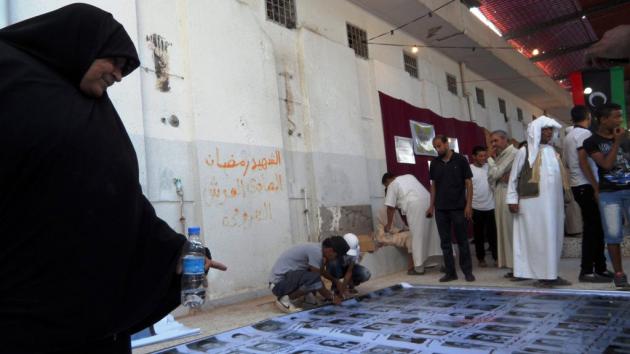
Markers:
point(535, 197)
point(348, 269)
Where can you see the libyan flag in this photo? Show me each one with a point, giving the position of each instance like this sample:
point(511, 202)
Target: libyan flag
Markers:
point(603, 86)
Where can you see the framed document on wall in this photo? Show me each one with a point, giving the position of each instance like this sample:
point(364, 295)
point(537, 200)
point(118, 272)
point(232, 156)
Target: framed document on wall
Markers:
point(404, 150)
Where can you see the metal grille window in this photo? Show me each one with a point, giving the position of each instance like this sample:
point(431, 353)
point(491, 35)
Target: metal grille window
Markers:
point(282, 12)
point(451, 83)
point(411, 64)
point(519, 114)
point(481, 98)
point(502, 109)
point(357, 40)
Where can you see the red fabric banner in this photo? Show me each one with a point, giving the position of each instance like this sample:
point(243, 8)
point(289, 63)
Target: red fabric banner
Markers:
point(577, 88)
point(396, 116)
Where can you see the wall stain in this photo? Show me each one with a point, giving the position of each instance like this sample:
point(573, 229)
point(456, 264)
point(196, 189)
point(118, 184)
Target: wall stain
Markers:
point(159, 46)
point(288, 100)
point(339, 220)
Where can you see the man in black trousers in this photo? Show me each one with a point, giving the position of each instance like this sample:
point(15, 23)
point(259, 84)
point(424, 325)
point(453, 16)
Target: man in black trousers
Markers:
point(582, 171)
point(451, 201)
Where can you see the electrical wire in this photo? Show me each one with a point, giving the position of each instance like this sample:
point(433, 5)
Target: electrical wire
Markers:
point(473, 48)
point(504, 78)
point(428, 14)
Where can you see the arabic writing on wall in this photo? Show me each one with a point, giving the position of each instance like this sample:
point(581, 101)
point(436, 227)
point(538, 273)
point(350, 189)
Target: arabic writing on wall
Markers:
point(253, 164)
point(243, 217)
point(242, 188)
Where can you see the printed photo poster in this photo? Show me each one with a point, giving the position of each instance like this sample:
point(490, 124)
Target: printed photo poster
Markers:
point(418, 319)
point(404, 150)
point(422, 135)
point(453, 144)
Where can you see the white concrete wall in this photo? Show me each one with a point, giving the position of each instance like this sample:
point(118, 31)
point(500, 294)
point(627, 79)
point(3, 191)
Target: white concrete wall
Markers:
point(490, 117)
point(273, 122)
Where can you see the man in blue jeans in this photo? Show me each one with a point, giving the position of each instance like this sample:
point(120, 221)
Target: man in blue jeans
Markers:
point(451, 200)
point(613, 159)
point(347, 268)
point(585, 190)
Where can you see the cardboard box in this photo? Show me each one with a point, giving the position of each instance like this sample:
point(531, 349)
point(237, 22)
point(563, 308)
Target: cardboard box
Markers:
point(366, 242)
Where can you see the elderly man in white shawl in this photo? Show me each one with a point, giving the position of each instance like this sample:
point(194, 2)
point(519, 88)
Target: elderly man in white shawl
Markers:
point(535, 196)
point(498, 178)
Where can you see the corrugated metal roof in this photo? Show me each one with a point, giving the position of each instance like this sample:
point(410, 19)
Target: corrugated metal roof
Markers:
point(525, 18)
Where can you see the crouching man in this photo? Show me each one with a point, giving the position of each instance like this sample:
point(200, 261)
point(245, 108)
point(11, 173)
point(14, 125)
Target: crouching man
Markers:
point(347, 271)
point(298, 272)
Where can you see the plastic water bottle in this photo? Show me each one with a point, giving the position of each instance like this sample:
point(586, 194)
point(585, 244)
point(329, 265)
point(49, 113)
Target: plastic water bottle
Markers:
point(193, 276)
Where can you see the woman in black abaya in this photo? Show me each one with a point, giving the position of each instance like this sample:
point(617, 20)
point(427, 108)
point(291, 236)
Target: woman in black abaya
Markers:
point(84, 261)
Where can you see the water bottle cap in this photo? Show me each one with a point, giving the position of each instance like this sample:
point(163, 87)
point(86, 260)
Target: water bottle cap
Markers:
point(196, 230)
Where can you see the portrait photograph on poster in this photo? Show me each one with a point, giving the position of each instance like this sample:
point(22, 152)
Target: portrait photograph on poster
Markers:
point(422, 135)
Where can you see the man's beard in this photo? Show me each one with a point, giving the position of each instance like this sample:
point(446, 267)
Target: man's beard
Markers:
point(443, 153)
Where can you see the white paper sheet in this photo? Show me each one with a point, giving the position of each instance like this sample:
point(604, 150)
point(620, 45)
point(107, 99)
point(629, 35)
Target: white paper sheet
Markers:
point(404, 150)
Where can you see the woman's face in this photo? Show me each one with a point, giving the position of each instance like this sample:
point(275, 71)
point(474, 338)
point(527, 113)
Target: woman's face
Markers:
point(103, 73)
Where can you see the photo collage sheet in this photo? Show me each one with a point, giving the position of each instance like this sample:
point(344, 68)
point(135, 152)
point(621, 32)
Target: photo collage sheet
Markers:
point(409, 319)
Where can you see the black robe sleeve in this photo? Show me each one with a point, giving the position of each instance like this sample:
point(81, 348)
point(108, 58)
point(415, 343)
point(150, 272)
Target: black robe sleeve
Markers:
point(83, 255)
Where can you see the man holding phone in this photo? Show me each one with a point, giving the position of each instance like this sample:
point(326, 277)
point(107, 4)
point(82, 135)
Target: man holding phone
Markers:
point(613, 159)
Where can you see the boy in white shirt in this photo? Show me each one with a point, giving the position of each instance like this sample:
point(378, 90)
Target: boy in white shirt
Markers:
point(484, 225)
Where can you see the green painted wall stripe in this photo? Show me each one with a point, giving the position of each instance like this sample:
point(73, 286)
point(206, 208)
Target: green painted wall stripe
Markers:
point(618, 94)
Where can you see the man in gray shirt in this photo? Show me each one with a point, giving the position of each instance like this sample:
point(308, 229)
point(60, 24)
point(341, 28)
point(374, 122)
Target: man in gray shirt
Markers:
point(299, 269)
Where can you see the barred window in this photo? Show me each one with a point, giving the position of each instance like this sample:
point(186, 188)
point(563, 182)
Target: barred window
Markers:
point(519, 114)
point(451, 83)
point(357, 40)
point(411, 64)
point(282, 12)
point(481, 98)
point(502, 109)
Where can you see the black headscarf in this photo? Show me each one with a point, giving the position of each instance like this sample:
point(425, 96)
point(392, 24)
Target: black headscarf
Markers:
point(83, 256)
point(70, 38)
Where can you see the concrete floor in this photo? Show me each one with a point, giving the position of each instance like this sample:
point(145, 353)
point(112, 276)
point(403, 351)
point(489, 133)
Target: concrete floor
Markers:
point(241, 314)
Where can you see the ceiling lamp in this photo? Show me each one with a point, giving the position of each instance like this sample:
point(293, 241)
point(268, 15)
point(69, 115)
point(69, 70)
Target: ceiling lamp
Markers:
point(475, 11)
point(535, 52)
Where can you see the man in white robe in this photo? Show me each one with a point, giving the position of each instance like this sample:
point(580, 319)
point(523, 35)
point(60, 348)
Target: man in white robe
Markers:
point(538, 207)
point(498, 175)
point(407, 194)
